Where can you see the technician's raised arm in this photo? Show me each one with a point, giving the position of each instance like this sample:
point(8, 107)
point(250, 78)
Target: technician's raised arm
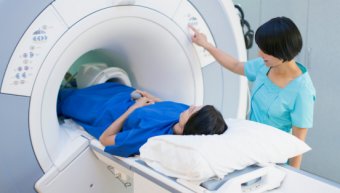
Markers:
point(223, 58)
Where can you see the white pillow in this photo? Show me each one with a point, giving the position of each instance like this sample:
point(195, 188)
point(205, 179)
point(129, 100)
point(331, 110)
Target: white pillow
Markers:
point(199, 157)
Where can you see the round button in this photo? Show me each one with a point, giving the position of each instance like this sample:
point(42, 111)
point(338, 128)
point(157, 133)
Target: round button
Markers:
point(193, 21)
point(19, 68)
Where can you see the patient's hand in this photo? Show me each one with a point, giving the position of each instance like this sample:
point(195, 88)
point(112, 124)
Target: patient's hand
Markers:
point(141, 102)
point(148, 95)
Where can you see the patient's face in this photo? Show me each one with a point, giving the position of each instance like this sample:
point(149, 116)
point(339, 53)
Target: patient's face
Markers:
point(185, 115)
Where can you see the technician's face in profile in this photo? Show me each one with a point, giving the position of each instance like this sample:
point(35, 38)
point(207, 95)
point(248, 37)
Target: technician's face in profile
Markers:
point(269, 60)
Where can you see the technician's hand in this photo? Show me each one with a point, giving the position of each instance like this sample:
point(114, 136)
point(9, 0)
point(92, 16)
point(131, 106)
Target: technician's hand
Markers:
point(199, 38)
point(141, 102)
point(148, 95)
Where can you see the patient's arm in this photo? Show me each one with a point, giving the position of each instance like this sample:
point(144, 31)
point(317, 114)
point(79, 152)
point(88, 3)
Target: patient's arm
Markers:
point(300, 133)
point(109, 135)
point(148, 95)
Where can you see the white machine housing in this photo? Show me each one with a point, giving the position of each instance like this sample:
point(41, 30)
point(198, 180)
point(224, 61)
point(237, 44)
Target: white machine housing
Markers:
point(154, 38)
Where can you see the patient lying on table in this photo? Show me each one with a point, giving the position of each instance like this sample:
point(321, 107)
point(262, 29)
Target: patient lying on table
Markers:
point(123, 125)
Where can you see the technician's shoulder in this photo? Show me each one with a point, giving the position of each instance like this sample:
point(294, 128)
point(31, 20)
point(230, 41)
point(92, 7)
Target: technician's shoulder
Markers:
point(307, 83)
point(255, 67)
point(306, 88)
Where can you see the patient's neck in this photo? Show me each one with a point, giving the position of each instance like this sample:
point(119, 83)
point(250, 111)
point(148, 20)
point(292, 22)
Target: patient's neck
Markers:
point(178, 130)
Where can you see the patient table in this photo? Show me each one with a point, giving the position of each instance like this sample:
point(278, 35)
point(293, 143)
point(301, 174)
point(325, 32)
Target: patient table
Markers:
point(135, 175)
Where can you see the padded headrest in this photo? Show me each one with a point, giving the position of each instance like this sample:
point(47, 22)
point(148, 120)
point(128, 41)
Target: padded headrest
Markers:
point(92, 74)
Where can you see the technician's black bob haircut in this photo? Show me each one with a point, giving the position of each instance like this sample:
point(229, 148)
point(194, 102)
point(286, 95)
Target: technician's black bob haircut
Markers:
point(280, 38)
point(206, 121)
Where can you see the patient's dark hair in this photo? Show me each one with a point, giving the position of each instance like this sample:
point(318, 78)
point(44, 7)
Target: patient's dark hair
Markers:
point(279, 37)
point(205, 121)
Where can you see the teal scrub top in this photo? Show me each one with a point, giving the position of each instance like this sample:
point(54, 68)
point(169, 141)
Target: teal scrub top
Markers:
point(282, 108)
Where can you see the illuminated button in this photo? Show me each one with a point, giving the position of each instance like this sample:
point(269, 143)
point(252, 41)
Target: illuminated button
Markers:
point(23, 75)
point(17, 76)
point(193, 21)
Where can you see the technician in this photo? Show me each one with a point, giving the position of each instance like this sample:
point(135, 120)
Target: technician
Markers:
point(282, 93)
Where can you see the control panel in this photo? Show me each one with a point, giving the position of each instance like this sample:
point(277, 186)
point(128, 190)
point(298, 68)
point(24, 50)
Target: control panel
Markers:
point(188, 15)
point(30, 53)
point(45, 31)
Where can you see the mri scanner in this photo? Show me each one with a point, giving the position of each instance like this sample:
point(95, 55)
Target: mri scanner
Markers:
point(38, 154)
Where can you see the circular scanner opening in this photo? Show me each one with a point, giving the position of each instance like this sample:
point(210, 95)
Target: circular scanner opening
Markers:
point(156, 58)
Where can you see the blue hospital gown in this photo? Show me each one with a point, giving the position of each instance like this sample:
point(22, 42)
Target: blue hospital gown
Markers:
point(96, 107)
point(282, 108)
